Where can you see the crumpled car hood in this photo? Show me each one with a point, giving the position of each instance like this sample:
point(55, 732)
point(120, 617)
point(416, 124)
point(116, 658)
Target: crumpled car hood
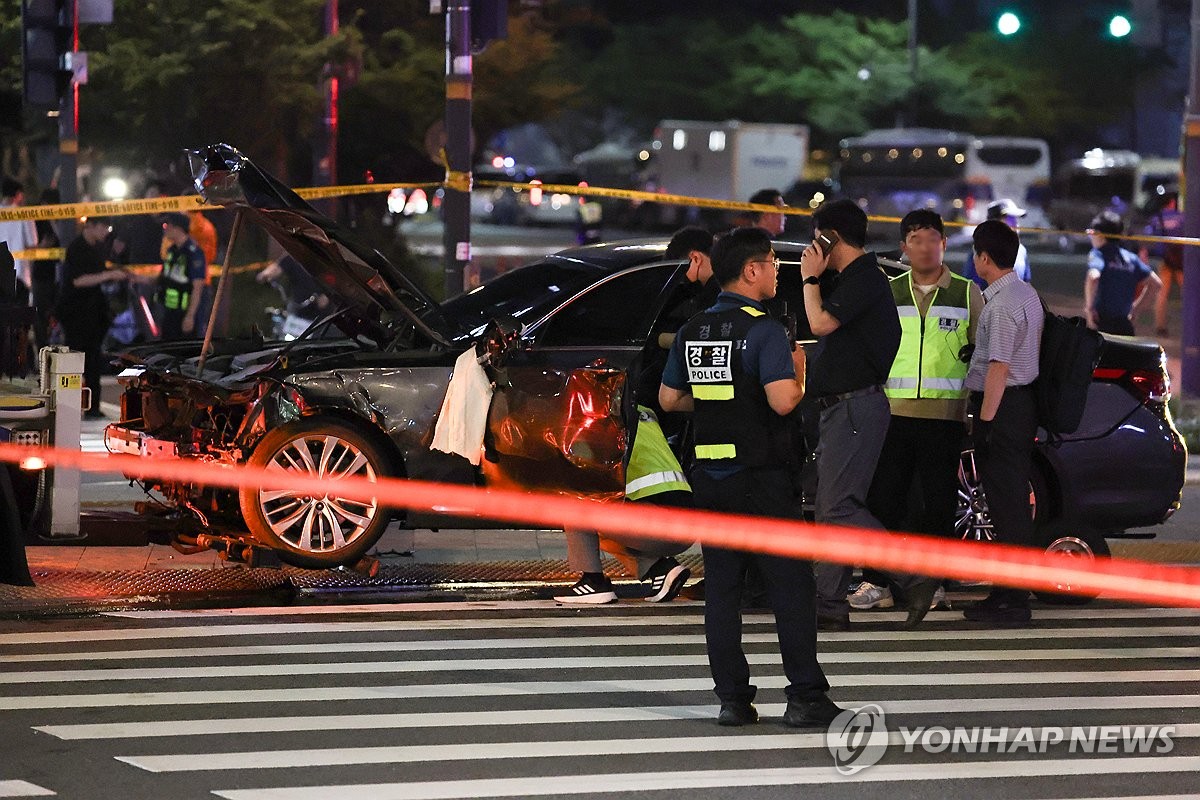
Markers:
point(379, 298)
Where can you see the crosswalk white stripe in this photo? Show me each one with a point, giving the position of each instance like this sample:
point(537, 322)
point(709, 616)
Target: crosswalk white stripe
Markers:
point(705, 779)
point(566, 662)
point(23, 789)
point(484, 751)
point(598, 618)
point(530, 688)
point(631, 639)
point(380, 609)
point(580, 716)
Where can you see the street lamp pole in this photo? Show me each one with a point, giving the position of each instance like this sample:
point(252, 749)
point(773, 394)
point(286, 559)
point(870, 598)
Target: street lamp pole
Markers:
point(902, 114)
point(1191, 220)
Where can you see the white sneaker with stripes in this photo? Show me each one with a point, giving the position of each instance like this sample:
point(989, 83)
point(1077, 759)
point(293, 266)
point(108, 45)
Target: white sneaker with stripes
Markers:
point(587, 593)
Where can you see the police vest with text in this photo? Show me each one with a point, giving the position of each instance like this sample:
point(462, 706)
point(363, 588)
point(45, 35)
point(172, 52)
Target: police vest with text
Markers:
point(734, 423)
point(174, 288)
point(928, 364)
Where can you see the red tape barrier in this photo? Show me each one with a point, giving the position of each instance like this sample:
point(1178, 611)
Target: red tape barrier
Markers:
point(1117, 579)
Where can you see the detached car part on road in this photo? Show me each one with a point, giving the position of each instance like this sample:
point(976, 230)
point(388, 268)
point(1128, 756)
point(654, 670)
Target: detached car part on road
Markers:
point(575, 336)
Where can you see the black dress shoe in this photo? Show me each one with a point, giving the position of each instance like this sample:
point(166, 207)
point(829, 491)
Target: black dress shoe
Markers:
point(737, 713)
point(1001, 609)
point(833, 622)
point(920, 598)
point(811, 713)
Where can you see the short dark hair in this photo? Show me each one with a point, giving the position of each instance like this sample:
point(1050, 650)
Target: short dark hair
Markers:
point(845, 217)
point(921, 219)
point(11, 187)
point(1108, 223)
point(765, 197)
point(732, 250)
point(999, 241)
point(688, 239)
point(177, 219)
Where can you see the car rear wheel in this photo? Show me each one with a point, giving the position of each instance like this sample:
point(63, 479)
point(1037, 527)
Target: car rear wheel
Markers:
point(309, 530)
point(975, 523)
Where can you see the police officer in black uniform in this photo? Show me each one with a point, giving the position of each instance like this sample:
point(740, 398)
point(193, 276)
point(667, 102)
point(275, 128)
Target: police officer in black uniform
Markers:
point(734, 368)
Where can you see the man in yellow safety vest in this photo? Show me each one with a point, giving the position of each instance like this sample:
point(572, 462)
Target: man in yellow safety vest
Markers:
point(938, 313)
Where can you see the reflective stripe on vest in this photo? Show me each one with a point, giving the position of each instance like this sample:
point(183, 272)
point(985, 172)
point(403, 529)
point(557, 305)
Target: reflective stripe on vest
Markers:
point(716, 451)
point(653, 468)
point(712, 391)
point(659, 482)
point(927, 364)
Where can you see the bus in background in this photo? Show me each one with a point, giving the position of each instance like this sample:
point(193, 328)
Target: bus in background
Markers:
point(1017, 168)
point(890, 172)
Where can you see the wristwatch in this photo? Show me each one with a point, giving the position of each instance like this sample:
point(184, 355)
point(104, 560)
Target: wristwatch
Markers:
point(812, 280)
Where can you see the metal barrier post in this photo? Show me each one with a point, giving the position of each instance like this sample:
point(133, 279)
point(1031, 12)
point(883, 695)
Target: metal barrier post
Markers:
point(62, 379)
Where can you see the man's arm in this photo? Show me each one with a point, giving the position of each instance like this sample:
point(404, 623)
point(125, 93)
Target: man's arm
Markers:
point(784, 395)
point(1089, 296)
point(993, 389)
point(813, 264)
point(1149, 285)
point(675, 399)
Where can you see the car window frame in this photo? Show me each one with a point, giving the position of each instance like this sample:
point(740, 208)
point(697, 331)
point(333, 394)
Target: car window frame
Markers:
point(532, 333)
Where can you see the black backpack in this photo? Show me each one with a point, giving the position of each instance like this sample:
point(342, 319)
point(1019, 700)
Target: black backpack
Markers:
point(1070, 351)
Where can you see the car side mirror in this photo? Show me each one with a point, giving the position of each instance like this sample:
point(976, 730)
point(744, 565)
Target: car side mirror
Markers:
point(501, 337)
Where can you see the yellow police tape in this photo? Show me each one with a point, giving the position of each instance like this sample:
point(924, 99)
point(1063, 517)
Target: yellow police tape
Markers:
point(461, 181)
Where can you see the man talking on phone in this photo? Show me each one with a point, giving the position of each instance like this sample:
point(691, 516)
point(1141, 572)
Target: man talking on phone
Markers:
point(860, 334)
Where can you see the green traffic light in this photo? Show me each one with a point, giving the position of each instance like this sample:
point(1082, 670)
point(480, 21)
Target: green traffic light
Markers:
point(1119, 26)
point(1008, 23)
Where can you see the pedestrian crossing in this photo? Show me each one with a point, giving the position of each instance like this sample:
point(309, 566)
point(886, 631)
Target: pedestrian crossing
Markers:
point(528, 699)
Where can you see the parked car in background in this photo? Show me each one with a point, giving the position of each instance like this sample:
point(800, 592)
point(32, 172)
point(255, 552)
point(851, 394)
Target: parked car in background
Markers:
point(1125, 182)
point(578, 336)
point(518, 205)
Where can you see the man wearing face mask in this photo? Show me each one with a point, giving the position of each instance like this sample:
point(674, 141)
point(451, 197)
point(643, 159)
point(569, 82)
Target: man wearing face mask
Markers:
point(938, 311)
point(860, 334)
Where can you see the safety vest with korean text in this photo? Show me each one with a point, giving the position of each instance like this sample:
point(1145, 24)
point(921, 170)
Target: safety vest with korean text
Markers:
point(653, 467)
point(928, 363)
point(734, 423)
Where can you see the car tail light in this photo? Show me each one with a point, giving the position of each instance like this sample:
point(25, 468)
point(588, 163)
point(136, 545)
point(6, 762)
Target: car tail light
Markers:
point(535, 193)
point(582, 199)
point(1147, 385)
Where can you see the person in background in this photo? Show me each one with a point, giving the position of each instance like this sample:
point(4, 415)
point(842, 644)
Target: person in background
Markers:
point(772, 222)
point(44, 273)
point(1117, 280)
point(1009, 213)
point(181, 281)
point(19, 234)
point(82, 306)
point(1167, 221)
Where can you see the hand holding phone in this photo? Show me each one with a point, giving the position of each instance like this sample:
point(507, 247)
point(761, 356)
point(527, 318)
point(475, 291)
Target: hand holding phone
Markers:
point(826, 241)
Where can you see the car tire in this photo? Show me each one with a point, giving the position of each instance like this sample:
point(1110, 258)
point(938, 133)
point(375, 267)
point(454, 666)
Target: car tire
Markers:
point(308, 531)
point(1088, 546)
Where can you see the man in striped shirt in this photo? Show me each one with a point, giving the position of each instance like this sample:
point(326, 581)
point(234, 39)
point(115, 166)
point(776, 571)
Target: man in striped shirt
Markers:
point(1000, 379)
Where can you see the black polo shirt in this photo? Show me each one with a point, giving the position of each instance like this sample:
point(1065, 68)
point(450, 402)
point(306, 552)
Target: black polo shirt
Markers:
point(860, 352)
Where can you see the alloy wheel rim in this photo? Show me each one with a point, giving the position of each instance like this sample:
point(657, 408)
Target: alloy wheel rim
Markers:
point(318, 523)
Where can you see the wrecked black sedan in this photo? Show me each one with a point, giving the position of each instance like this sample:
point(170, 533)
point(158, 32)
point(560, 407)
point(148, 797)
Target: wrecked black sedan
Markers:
point(573, 340)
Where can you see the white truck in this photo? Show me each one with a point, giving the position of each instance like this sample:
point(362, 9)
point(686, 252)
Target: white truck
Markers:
point(728, 160)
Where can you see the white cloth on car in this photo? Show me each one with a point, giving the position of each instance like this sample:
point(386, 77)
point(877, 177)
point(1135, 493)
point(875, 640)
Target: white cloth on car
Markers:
point(463, 419)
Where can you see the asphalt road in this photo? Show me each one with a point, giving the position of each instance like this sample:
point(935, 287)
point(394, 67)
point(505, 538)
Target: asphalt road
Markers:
point(529, 700)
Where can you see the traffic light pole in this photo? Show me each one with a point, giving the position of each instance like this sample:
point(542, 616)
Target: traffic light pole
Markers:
point(68, 121)
point(456, 203)
point(1191, 220)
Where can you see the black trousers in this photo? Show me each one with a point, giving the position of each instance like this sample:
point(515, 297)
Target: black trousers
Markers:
point(1122, 326)
point(88, 341)
point(1006, 468)
point(927, 452)
point(791, 589)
